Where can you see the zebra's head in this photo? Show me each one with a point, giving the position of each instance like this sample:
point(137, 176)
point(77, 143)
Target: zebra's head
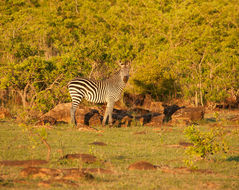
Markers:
point(124, 71)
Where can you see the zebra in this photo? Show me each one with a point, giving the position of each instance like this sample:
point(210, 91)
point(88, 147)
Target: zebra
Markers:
point(104, 91)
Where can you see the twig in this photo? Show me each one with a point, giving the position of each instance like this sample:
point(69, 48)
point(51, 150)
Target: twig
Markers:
point(44, 142)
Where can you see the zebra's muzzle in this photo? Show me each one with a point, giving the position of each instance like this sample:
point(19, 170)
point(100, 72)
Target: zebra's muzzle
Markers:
point(125, 79)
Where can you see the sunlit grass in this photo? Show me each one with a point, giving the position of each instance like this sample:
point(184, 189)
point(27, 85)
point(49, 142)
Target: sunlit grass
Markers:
point(124, 147)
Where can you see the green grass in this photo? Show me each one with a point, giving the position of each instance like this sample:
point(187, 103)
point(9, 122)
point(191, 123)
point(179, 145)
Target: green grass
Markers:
point(124, 147)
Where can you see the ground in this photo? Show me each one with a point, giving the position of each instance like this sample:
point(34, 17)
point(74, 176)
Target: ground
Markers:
point(117, 152)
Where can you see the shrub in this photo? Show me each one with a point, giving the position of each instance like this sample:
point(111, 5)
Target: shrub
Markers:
point(205, 143)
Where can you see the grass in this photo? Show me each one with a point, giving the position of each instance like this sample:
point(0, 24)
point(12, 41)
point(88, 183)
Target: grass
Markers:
point(124, 147)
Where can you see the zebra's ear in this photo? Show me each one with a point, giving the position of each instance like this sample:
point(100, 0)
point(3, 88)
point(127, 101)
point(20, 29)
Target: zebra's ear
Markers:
point(121, 64)
point(127, 63)
point(124, 64)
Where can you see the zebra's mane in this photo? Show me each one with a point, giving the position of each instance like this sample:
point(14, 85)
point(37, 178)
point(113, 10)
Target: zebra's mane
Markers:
point(104, 78)
point(99, 80)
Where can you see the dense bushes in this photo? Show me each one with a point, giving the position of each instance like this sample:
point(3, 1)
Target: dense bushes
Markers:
point(187, 49)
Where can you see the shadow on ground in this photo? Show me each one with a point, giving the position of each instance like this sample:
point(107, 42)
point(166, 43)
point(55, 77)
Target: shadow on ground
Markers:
point(233, 158)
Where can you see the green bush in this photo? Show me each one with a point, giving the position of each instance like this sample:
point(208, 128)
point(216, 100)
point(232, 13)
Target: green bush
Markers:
point(205, 143)
point(181, 48)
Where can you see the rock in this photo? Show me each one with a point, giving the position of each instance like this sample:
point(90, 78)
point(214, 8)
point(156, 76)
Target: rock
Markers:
point(4, 113)
point(144, 119)
point(235, 118)
point(95, 120)
point(119, 105)
point(169, 111)
point(131, 100)
point(147, 102)
point(141, 121)
point(61, 113)
point(188, 115)
point(139, 111)
point(142, 165)
point(156, 121)
point(46, 120)
point(157, 107)
point(126, 121)
point(93, 116)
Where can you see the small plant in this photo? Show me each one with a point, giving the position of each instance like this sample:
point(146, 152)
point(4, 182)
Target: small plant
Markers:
point(216, 115)
point(92, 150)
point(204, 143)
point(36, 136)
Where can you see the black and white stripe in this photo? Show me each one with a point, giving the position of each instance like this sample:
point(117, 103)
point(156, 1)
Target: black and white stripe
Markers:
point(105, 91)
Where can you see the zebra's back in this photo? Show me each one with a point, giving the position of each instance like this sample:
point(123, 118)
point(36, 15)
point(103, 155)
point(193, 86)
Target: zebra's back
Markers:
point(91, 90)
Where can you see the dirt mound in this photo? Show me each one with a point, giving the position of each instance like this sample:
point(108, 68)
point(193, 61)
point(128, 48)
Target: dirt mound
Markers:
point(185, 144)
point(43, 173)
point(98, 171)
point(98, 143)
point(86, 158)
point(142, 165)
point(140, 133)
point(22, 163)
point(49, 173)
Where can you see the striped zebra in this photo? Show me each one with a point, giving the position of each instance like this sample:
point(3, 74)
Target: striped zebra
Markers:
point(105, 91)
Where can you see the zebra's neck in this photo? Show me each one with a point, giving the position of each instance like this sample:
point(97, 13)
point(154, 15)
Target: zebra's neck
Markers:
point(116, 78)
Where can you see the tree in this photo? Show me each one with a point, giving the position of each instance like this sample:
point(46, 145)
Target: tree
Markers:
point(184, 48)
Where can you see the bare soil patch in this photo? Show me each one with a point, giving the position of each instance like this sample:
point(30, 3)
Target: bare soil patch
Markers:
point(185, 144)
point(98, 143)
point(86, 158)
point(43, 173)
point(50, 173)
point(23, 163)
point(184, 170)
point(98, 171)
point(140, 133)
point(56, 176)
point(49, 183)
point(142, 165)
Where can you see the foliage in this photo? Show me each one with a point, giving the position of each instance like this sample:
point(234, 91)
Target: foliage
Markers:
point(179, 48)
point(205, 143)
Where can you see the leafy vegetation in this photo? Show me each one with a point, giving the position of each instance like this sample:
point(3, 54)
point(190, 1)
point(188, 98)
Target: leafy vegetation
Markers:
point(205, 143)
point(185, 48)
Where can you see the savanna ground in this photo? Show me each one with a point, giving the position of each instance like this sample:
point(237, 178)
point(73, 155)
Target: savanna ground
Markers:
point(124, 146)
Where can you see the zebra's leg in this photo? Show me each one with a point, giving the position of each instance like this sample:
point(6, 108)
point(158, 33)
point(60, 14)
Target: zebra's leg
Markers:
point(108, 112)
point(73, 119)
point(110, 115)
point(105, 117)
